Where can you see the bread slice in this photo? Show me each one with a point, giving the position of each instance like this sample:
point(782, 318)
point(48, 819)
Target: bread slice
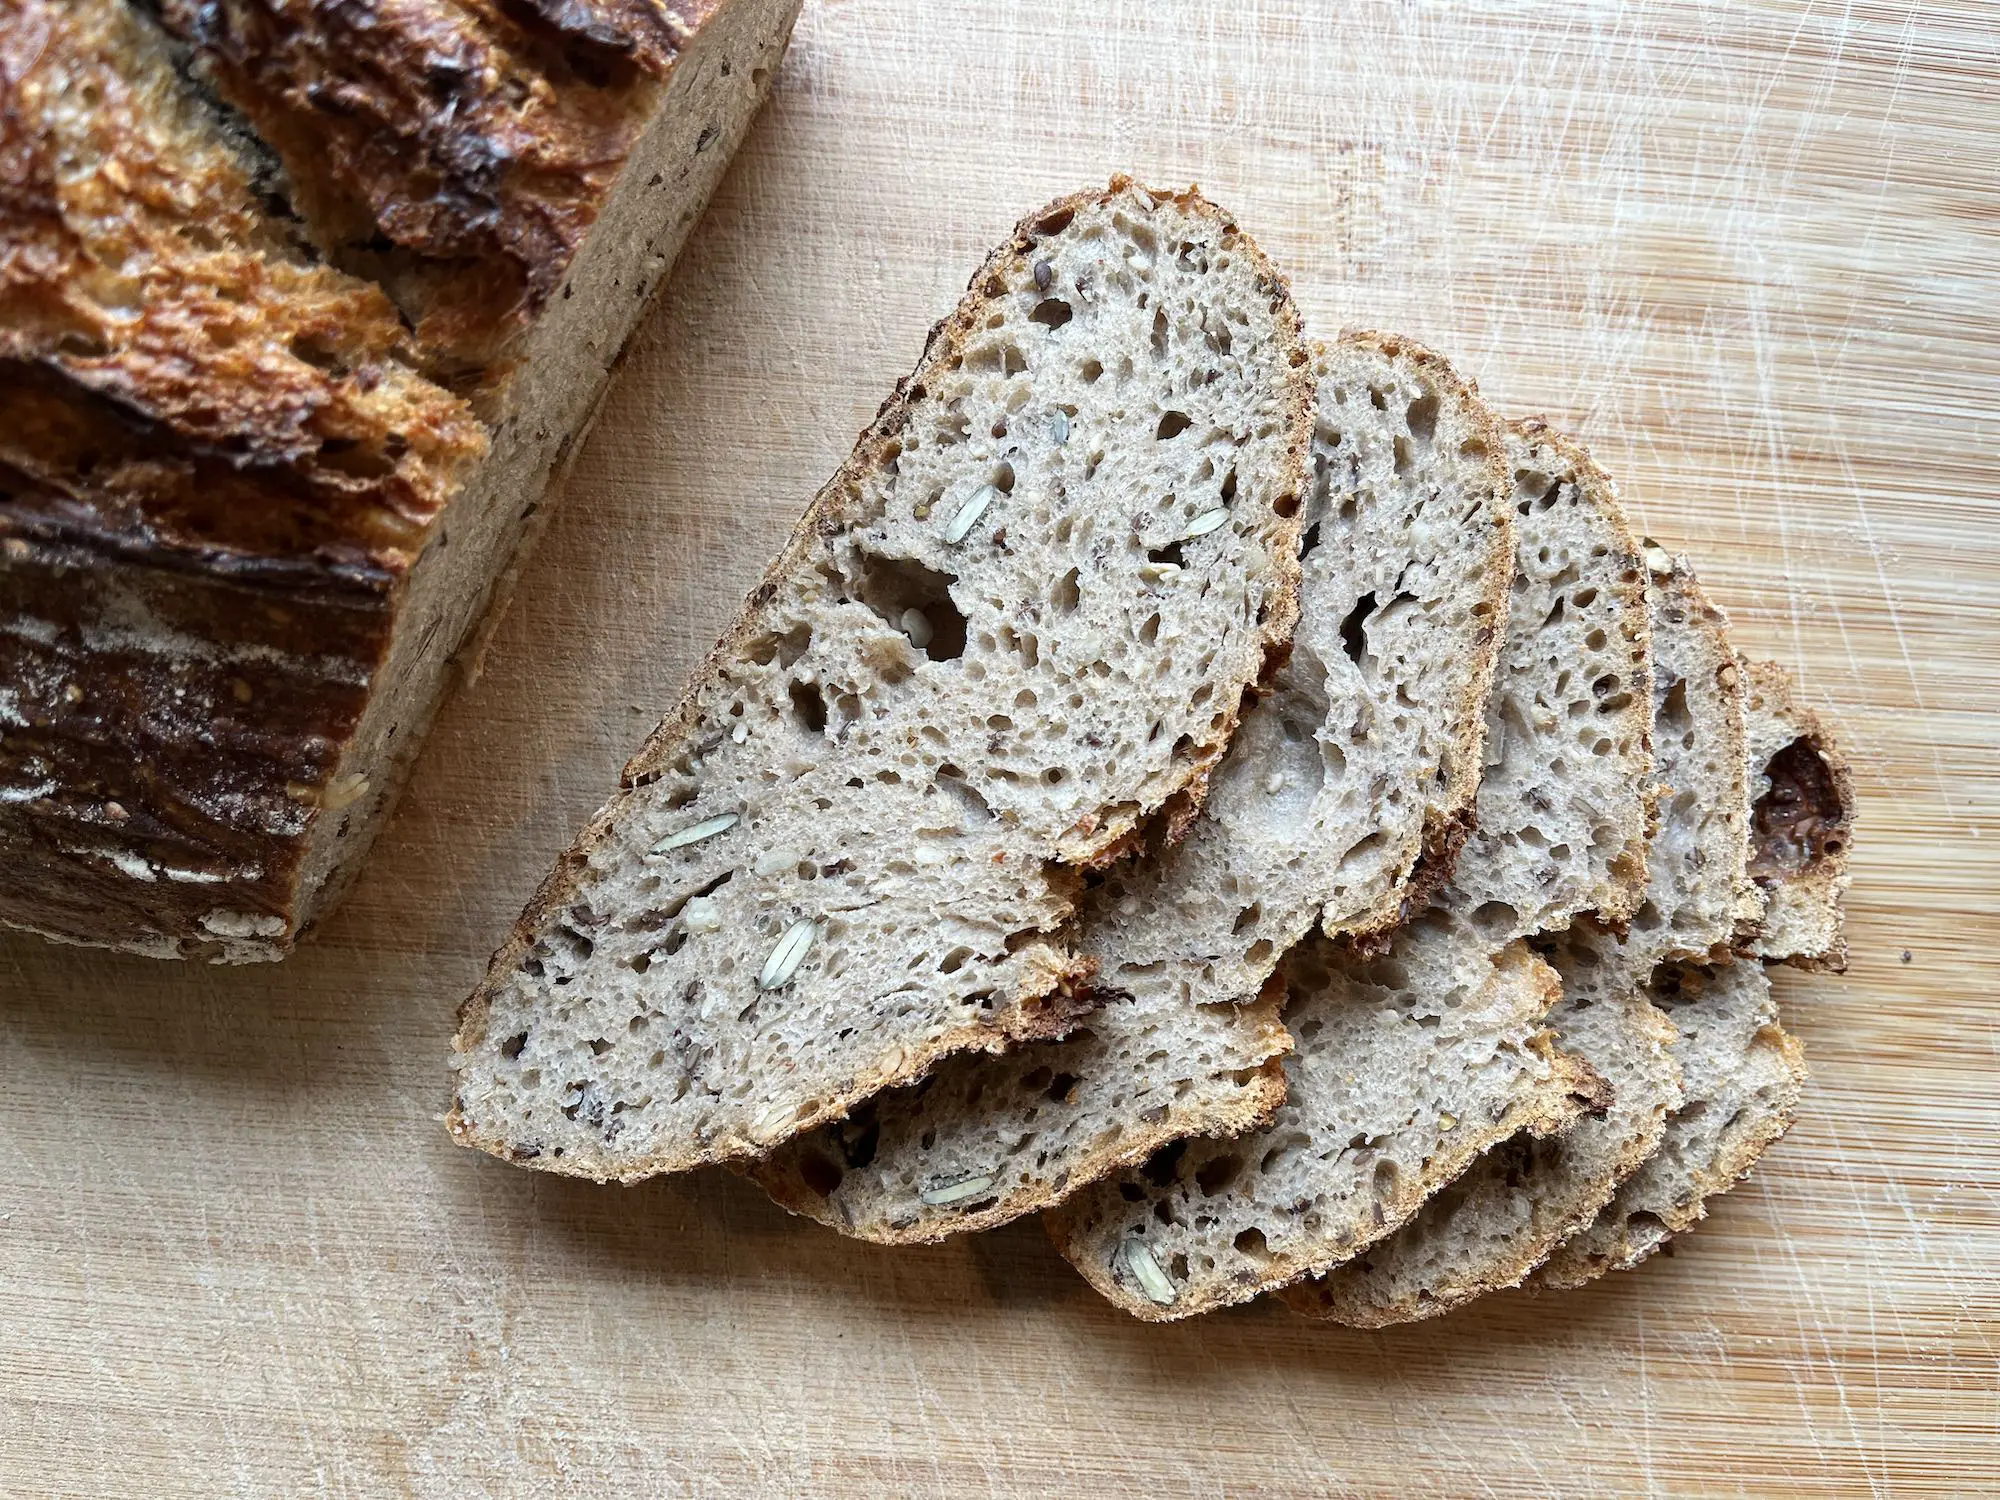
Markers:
point(1360, 752)
point(1741, 1075)
point(1700, 887)
point(1801, 823)
point(1017, 621)
point(1406, 1068)
point(1565, 800)
point(283, 409)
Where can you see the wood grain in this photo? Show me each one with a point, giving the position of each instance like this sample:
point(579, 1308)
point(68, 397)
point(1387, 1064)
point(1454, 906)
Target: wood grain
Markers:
point(1749, 251)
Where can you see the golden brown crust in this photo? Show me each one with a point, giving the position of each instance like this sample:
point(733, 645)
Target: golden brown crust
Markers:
point(257, 402)
point(1022, 1019)
point(216, 471)
point(459, 150)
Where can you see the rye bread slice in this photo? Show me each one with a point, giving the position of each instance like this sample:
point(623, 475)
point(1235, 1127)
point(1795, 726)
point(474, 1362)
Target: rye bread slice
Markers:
point(1741, 1077)
point(1017, 621)
point(1801, 823)
point(1406, 1068)
point(1361, 751)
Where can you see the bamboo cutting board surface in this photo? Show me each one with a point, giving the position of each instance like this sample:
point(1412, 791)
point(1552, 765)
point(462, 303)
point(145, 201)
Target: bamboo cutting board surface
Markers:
point(1749, 252)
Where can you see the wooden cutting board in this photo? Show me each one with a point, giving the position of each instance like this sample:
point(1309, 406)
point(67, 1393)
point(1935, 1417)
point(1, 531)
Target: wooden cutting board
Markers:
point(1749, 252)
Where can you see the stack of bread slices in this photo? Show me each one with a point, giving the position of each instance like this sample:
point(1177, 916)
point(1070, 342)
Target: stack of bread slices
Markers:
point(1239, 798)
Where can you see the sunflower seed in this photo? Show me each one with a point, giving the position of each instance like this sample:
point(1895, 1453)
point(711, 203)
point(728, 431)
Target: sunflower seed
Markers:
point(1146, 1271)
point(1447, 1120)
point(788, 955)
point(694, 833)
point(917, 627)
point(1059, 427)
point(1206, 522)
point(969, 514)
point(946, 1193)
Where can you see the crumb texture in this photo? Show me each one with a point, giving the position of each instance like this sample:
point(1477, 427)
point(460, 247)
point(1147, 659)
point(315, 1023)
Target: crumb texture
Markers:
point(1741, 1076)
point(1317, 814)
point(1405, 1068)
point(1018, 621)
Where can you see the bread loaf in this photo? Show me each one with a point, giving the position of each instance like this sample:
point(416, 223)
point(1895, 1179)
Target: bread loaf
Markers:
point(1361, 751)
point(246, 534)
point(1017, 622)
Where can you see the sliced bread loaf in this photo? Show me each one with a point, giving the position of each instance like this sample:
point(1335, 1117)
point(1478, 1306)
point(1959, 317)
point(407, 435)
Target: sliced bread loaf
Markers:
point(1741, 1075)
point(1361, 751)
point(1801, 821)
point(1552, 842)
point(1406, 1068)
point(1561, 827)
point(1015, 623)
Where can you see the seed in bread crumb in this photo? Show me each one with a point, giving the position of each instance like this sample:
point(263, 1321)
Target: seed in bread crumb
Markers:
point(788, 955)
point(1206, 522)
point(694, 833)
point(1447, 1121)
point(1059, 427)
point(963, 1189)
point(917, 626)
point(969, 514)
point(1146, 1271)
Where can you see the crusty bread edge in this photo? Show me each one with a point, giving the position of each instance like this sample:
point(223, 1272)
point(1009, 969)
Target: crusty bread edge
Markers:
point(1021, 1019)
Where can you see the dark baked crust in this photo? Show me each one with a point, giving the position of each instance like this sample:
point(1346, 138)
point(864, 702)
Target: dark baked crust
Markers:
point(218, 467)
point(457, 150)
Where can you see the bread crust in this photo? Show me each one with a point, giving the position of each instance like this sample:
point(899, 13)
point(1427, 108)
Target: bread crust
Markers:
point(458, 151)
point(223, 464)
point(1045, 1007)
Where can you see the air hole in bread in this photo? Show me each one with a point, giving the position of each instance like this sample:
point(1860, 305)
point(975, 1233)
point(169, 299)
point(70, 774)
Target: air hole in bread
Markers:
point(1051, 313)
point(1215, 1176)
point(1422, 417)
point(1353, 640)
point(808, 707)
point(1172, 425)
